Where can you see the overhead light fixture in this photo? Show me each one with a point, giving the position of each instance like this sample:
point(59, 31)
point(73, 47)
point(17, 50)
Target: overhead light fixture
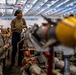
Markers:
point(70, 8)
point(62, 3)
point(71, 4)
point(48, 5)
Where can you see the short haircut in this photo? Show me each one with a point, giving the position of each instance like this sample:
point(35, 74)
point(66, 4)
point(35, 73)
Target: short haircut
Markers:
point(17, 12)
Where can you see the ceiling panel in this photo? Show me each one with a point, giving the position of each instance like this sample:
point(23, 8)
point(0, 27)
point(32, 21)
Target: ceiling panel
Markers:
point(37, 7)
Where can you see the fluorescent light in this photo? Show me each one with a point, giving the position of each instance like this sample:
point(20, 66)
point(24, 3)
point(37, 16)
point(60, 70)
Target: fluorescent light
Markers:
point(62, 3)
